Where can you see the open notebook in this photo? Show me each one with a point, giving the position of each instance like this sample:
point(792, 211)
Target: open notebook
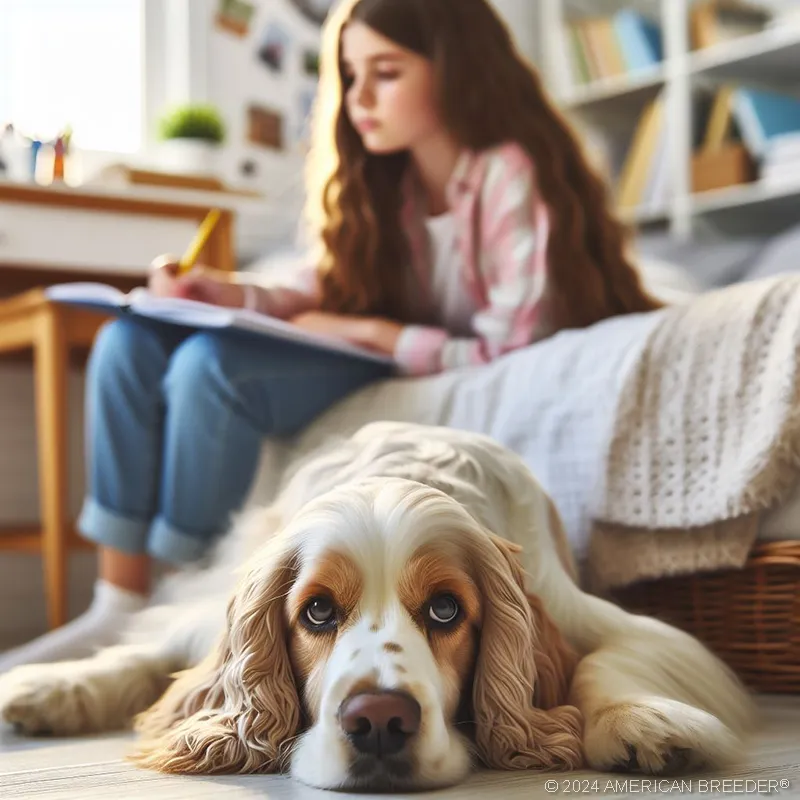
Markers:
point(193, 314)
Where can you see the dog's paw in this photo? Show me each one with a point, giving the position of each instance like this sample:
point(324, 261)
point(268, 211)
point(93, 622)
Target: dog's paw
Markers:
point(657, 736)
point(42, 699)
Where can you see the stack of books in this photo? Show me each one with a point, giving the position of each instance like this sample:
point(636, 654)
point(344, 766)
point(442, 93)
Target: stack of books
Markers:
point(755, 117)
point(765, 124)
point(782, 160)
point(740, 133)
point(609, 47)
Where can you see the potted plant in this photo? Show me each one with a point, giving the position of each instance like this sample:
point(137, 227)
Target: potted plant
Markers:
point(191, 135)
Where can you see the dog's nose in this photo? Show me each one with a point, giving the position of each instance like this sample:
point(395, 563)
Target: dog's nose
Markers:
point(380, 723)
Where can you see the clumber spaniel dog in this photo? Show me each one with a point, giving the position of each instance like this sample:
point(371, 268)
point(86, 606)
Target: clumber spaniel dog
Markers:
point(405, 610)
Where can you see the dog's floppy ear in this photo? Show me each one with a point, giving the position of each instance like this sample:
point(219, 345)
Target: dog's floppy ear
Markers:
point(236, 711)
point(522, 674)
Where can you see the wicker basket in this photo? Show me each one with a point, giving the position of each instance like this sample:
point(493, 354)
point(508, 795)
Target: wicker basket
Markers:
point(749, 617)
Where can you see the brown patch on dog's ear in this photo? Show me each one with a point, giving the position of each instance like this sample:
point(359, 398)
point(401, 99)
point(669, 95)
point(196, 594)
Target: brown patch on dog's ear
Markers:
point(555, 659)
point(523, 673)
point(235, 712)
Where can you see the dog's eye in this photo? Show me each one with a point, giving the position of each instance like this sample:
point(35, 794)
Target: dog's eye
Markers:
point(319, 613)
point(443, 609)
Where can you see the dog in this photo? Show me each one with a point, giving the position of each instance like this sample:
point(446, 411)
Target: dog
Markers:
point(406, 609)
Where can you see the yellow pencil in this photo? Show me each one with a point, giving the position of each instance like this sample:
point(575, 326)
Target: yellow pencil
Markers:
point(189, 258)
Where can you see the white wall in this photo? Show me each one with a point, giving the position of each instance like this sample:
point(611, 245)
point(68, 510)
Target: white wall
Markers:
point(237, 78)
point(234, 78)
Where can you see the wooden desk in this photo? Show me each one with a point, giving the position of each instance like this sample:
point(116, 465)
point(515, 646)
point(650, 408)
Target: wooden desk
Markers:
point(56, 235)
point(52, 235)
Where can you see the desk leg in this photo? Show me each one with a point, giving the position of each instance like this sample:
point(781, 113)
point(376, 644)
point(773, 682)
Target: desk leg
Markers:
point(51, 366)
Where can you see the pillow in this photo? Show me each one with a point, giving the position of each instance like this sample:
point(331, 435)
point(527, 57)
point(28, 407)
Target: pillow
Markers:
point(780, 256)
point(668, 282)
point(711, 263)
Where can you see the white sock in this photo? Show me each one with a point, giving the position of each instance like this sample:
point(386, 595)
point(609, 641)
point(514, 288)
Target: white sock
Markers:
point(99, 626)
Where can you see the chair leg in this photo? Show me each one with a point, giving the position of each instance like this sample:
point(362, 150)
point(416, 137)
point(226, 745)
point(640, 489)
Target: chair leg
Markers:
point(51, 367)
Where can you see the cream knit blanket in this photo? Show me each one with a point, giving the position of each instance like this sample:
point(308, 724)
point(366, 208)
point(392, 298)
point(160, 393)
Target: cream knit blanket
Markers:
point(705, 438)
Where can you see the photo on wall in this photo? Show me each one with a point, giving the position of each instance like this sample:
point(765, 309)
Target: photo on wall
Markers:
point(273, 47)
point(313, 10)
point(265, 127)
point(235, 16)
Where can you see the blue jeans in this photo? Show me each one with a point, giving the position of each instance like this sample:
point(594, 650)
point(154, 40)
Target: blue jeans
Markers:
point(175, 424)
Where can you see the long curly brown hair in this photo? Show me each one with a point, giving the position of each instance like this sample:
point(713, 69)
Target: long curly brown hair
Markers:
point(490, 95)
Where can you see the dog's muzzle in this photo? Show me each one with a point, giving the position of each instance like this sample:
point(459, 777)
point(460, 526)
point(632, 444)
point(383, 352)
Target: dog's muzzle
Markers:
point(381, 727)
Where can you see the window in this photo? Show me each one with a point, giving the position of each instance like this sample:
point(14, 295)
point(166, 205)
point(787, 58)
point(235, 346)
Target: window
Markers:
point(79, 63)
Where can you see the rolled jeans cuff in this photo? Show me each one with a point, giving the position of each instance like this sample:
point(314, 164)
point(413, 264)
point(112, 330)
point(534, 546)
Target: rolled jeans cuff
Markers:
point(167, 543)
point(158, 539)
point(110, 529)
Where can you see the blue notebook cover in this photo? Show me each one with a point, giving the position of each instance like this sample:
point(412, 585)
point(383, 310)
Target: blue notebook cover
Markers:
point(764, 115)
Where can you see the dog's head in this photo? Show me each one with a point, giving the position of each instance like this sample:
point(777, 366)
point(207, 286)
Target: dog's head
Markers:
point(381, 640)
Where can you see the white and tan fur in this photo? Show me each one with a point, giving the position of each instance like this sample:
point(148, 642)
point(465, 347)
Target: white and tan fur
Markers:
point(536, 674)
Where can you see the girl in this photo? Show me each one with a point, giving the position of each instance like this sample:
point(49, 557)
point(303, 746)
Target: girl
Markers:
point(457, 220)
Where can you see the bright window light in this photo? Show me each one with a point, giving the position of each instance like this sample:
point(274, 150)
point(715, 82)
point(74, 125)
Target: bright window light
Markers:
point(74, 62)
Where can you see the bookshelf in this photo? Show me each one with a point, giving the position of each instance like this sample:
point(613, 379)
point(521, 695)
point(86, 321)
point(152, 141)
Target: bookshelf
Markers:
point(608, 110)
point(637, 88)
point(771, 57)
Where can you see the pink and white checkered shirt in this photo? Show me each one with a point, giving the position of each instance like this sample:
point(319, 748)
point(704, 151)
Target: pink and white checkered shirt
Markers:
point(502, 233)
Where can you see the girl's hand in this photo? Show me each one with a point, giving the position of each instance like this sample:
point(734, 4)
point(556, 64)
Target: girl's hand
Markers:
point(162, 276)
point(209, 289)
point(380, 335)
point(328, 324)
point(201, 283)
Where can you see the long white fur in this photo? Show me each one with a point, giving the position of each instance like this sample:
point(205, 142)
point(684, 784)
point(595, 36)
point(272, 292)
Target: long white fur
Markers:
point(639, 681)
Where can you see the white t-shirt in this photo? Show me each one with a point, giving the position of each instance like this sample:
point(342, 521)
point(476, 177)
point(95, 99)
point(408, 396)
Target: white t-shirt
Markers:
point(454, 306)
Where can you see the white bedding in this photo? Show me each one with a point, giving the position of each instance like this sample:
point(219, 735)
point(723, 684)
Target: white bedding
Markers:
point(552, 403)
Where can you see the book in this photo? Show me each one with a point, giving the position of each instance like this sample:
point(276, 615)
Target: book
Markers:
point(658, 189)
point(763, 115)
point(601, 48)
point(783, 148)
point(587, 44)
point(610, 46)
point(785, 175)
point(636, 170)
point(194, 314)
point(640, 40)
point(719, 120)
point(580, 64)
point(781, 163)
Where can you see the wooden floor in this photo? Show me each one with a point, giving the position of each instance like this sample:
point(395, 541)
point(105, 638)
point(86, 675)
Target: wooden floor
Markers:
point(94, 768)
